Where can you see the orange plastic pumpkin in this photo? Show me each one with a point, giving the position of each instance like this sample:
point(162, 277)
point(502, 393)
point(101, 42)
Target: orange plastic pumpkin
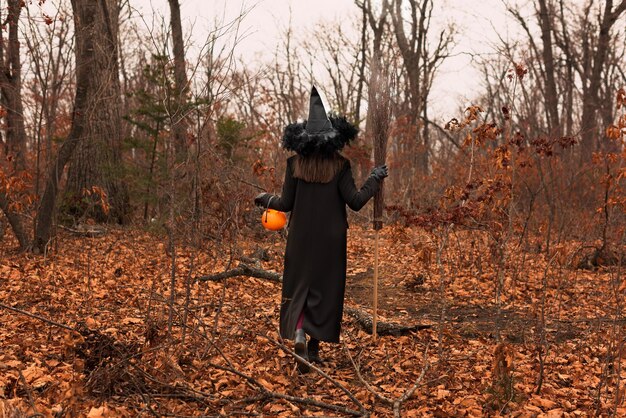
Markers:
point(273, 220)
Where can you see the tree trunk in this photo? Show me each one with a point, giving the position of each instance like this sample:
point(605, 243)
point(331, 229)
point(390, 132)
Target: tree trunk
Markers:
point(591, 101)
point(179, 122)
point(546, 23)
point(97, 159)
point(425, 161)
point(84, 18)
point(11, 100)
point(420, 63)
point(11, 87)
point(15, 222)
point(568, 84)
point(362, 63)
point(377, 25)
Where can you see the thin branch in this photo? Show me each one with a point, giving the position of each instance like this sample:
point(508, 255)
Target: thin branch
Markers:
point(266, 393)
point(365, 383)
point(395, 403)
point(41, 318)
point(321, 372)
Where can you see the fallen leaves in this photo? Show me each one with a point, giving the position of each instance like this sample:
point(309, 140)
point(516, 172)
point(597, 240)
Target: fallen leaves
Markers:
point(116, 287)
point(37, 377)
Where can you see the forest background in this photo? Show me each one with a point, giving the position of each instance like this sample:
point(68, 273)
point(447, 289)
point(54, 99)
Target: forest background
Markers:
point(136, 279)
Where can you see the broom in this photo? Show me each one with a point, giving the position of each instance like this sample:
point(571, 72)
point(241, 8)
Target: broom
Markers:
point(379, 119)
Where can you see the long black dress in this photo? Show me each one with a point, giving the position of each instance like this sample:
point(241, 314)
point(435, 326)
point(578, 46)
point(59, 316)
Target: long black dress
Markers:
point(314, 276)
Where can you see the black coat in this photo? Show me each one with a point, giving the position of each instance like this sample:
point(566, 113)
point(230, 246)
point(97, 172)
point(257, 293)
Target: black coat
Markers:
point(314, 276)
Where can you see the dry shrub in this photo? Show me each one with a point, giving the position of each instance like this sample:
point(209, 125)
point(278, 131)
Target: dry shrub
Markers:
point(502, 390)
point(106, 364)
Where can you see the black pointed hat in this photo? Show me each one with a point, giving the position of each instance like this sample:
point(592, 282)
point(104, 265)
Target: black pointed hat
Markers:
point(321, 133)
point(318, 121)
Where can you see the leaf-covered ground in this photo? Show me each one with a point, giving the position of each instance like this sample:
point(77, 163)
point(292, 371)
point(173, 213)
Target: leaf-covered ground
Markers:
point(222, 355)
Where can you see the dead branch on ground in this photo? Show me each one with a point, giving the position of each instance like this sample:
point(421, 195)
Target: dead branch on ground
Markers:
point(242, 270)
point(364, 320)
point(321, 373)
point(396, 404)
point(40, 318)
point(269, 394)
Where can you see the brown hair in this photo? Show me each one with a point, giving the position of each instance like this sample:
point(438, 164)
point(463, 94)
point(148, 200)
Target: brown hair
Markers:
point(317, 168)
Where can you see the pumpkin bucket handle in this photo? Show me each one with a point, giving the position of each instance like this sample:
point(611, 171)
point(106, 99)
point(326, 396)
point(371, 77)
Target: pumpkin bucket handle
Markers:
point(268, 206)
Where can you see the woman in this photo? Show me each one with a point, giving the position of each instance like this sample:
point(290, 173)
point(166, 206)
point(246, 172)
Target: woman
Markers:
point(318, 186)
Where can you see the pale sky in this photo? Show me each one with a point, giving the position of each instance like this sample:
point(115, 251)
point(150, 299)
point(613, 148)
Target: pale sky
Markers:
point(457, 83)
point(478, 24)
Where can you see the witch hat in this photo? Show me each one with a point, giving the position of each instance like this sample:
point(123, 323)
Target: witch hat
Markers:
point(318, 121)
point(320, 134)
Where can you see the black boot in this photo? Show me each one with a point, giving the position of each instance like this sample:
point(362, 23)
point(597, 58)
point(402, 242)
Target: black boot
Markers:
point(301, 350)
point(313, 351)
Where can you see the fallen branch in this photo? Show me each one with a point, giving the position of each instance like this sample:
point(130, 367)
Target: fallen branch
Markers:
point(322, 373)
point(369, 387)
point(89, 231)
point(41, 318)
point(29, 393)
point(396, 404)
point(364, 320)
point(242, 270)
point(269, 394)
point(409, 392)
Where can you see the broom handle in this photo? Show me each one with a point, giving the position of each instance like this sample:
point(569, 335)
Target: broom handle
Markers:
point(375, 314)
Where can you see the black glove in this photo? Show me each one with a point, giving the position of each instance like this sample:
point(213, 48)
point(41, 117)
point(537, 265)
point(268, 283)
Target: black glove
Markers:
point(259, 200)
point(380, 173)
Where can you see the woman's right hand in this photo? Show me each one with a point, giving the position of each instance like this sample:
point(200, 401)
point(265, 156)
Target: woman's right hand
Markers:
point(380, 172)
point(258, 200)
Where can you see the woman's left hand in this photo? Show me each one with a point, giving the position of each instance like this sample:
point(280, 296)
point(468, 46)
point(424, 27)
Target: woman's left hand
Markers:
point(380, 172)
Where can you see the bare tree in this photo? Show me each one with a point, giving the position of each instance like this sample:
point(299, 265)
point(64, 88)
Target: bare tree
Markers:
point(378, 23)
point(597, 59)
point(288, 86)
point(84, 26)
point(48, 84)
point(421, 59)
point(331, 46)
point(11, 101)
point(97, 160)
point(586, 40)
point(546, 20)
point(179, 122)
point(11, 85)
